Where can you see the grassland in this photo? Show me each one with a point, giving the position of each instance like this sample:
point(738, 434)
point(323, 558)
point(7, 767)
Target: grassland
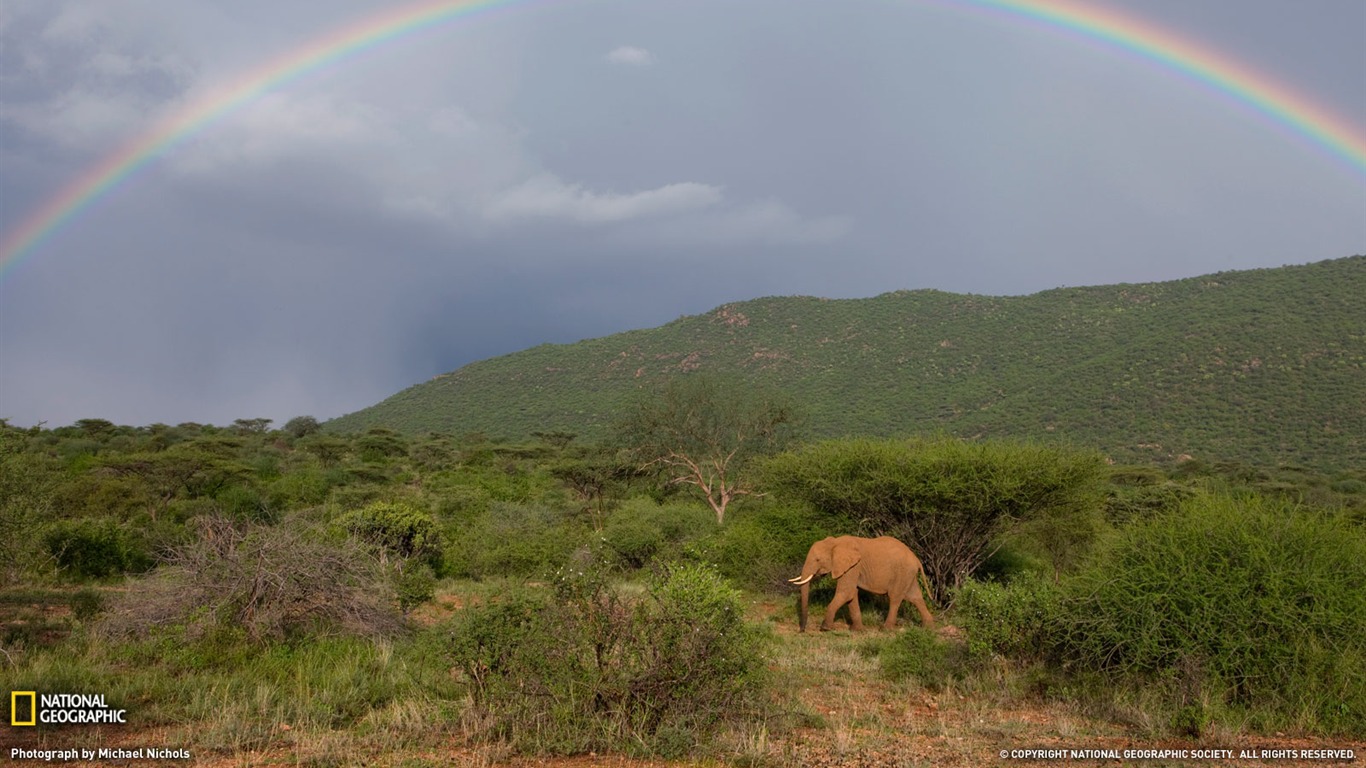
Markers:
point(383, 704)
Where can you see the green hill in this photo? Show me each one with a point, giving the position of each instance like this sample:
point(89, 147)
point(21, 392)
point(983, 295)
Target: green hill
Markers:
point(1263, 366)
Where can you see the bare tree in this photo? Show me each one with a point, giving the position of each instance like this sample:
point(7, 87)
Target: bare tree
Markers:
point(700, 430)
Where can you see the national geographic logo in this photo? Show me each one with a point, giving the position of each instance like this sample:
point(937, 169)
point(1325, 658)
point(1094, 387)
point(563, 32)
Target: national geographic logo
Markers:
point(15, 718)
point(31, 708)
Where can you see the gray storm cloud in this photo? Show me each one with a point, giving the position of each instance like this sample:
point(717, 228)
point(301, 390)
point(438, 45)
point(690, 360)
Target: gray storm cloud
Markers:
point(547, 174)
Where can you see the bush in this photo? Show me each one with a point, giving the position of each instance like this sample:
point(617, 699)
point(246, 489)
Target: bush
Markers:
point(94, 549)
point(1349, 486)
point(920, 654)
point(764, 544)
point(1016, 620)
point(271, 583)
point(380, 444)
point(634, 540)
point(594, 671)
point(305, 487)
point(514, 540)
point(1014, 560)
point(302, 426)
point(397, 530)
point(642, 530)
point(245, 504)
point(350, 493)
point(414, 586)
point(1244, 600)
point(1138, 502)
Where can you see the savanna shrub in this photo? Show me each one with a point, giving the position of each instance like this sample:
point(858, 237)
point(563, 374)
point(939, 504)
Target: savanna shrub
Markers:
point(302, 426)
point(272, 583)
point(1349, 486)
point(414, 586)
point(460, 503)
point(921, 654)
point(764, 544)
point(1014, 560)
point(634, 540)
point(507, 484)
point(1017, 620)
point(396, 529)
point(94, 549)
point(679, 520)
point(1127, 503)
point(351, 492)
point(305, 487)
point(514, 540)
point(380, 444)
point(596, 671)
point(1262, 601)
point(491, 642)
point(246, 504)
point(642, 529)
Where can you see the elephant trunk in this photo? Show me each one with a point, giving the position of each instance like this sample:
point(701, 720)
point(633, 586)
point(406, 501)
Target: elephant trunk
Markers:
point(812, 568)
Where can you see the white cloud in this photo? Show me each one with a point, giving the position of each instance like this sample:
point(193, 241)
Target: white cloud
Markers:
point(764, 221)
point(279, 125)
point(547, 197)
point(79, 84)
point(80, 118)
point(631, 56)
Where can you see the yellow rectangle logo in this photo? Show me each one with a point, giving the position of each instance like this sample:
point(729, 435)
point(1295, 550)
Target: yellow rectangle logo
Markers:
point(14, 698)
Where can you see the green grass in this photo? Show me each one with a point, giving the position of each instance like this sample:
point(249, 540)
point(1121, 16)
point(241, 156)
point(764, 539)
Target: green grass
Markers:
point(240, 695)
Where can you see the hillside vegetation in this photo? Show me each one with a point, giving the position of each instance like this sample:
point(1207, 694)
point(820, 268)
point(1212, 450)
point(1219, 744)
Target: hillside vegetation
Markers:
point(1263, 366)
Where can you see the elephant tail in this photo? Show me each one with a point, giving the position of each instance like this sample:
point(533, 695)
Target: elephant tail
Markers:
point(926, 589)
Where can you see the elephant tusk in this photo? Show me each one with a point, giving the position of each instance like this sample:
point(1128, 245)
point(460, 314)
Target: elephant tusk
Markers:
point(798, 581)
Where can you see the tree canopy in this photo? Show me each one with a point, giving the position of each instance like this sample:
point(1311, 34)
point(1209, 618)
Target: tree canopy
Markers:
point(950, 500)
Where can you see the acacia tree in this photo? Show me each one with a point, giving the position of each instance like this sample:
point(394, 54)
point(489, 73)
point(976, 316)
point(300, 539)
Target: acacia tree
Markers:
point(950, 500)
point(302, 426)
point(700, 430)
point(197, 468)
point(596, 477)
point(252, 426)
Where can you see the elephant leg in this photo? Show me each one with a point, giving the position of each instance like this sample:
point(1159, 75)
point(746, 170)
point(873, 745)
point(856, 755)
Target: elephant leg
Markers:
point(855, 614)
point(843, 593)
point(918, 600)
point(893, 608)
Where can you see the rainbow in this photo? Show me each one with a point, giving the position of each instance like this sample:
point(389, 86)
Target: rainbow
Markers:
point(1160, 46)
point(1207, 67)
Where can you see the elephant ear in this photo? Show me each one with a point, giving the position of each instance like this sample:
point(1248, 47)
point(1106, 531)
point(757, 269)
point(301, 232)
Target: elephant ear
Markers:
point(846, 557)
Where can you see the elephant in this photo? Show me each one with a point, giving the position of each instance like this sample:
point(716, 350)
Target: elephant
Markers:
point(883, 566)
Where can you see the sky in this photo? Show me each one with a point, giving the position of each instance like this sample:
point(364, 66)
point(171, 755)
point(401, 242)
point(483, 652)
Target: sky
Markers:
point(552, 170)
